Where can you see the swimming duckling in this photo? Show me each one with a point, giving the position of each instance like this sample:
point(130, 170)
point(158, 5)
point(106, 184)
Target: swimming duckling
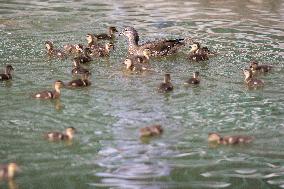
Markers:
point(103, 52)
point(250, 81)
point(76, 49)
point(199, 54)
point(194, 79)
point(7, 73)
point(110, 36)
point(68, 135)
point(166, 86)
point(77, 68)
point(50, 94)
point(8, 171)
point(85, 57)
point(256, 68)
point(52, 52)
point(237, 139)
point(135, 67)
point(157, 48)
point(83, 82)
point(142, 59)
point(153, 130)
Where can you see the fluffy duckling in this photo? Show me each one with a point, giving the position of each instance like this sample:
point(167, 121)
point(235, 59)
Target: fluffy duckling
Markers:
point(157, 48)
point(237, 139)
point(153, 130)
point(135, 67)
point(166, 86)
point(256, 68)
point(110, 36)
point(68, 135)
point(251, 81)
point(85, 57)
point(52, 52)
point(83, 82)
point(103, 52)
point(195, 80)
point(77, 68)
point(199, 54)
point(76, 49)
point(8, 171)
point(7, 75)
point(50, 94)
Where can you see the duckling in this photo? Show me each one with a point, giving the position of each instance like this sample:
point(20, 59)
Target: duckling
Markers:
point(76, 49)
point(194, 79)
point(110, 36)
point(197, 53)
point(250, 81)
point(85, 57)
point(166, 86)
point(77, 69)
point(92, 41)
point(103, 52)
point(135, 67)
point(8, 171)
point(50, 94)
point(68, 135)
point(83, 82)
point(7, 73)
point(237, 139)
point(153, 130)
point(142, 59)
point(157, 48)
point(256, 68)
point(52, 52)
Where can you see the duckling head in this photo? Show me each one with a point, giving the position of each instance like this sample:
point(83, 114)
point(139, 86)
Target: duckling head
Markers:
point(147, 53)
point(167, 78)
point(112, 29)
point(48, 45)
point(9, 68)
point(196, 74)
point(128, 62)
point(70, 131)
point(253, 65)
point(247, 73)
point(91, 38)
point(131, 34)
point(13, 168)
point(194, 47)
point(214, 137)
point(79, 47)
point(58, 84)
point(109, 46)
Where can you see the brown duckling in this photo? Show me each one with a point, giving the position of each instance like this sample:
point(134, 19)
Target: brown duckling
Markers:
point(83, 82)
point(50, 94)
point(237, 139)
point(251, 81)
point(198, 53)
point(256, 68)
point(157, 48)
point(92, 41)
point(68, 135)
point(85, 57)
point(52, 52)
point(195, 80)
point(153, 130)
point(110, 36)
point(135, 67)
point(103, 52)
point(166, 86)
point(76, 49)
point(142, 59)
point(8, 171)
point(7, 73)
point(77, 68)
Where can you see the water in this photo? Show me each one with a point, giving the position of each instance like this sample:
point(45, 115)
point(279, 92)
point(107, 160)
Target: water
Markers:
point(107, 152)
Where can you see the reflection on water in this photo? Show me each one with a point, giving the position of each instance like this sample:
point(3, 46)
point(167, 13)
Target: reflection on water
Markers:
point(107, 151)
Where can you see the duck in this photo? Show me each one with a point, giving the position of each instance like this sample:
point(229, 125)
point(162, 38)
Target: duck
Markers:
point(152, 130)
point(107, 36)
point(250, 81)
point(144, 59)
point(92, 41)
point(7, 75)
point(158, 48)
point(68, 135)
point(166, 86)
point(52, 52)
point(85, 57)
point(236, 139)
point(198, 53)
point(83, 82)
point(50, 94)
point(76, 49)
point(256, 68)
point(103, 51)
point(195, 80)
point(9, 170)
point(77, 68)
point(135, 66)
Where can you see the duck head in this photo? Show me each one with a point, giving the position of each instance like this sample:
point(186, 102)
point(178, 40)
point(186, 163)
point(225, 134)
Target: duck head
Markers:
point(9, 69)
point(112, 30)
point(147, 53)
point(49, 45)
point(167, 78)
point(128, 62)
point(91, 38)
point(109, 46)
point(253, 65)
point(194, 47)
point(79, 48)
point(247, 73)
point(57, 85)
point(70, 131)
point(214, 137)
point(131, 34)
point(196, 75)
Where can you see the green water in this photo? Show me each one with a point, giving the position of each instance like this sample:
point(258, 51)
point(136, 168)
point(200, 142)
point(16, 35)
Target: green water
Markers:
point(107, 151)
